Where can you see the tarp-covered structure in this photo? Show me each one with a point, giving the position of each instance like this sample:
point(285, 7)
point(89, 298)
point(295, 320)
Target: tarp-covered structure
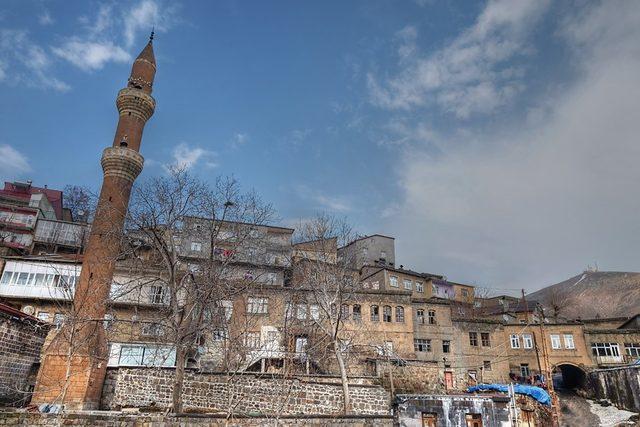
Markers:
point(536, 392)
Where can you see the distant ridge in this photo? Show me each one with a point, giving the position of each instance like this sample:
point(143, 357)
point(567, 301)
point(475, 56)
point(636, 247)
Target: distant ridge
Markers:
point(592, 294)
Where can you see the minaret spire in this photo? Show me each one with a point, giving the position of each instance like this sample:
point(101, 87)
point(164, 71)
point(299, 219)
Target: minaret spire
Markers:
point(121, 164)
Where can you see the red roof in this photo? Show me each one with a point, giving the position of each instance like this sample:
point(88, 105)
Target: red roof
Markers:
point(25, 191)
point(17, 313)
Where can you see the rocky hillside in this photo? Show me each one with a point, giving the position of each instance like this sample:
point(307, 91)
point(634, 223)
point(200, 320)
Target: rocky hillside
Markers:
point(592, 294)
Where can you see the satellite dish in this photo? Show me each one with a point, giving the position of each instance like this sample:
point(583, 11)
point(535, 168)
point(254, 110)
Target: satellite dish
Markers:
point(28, 309)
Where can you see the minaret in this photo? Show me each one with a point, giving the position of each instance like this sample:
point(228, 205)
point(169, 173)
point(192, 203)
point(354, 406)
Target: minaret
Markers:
point(77, 381)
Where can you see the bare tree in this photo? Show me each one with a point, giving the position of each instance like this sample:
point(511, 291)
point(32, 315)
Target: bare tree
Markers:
point(330, 282)
point(191, 237)
point(556, 301)
point(81, 201)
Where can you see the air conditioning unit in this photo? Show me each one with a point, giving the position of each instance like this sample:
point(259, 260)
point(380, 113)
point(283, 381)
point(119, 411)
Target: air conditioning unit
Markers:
point(29, 309)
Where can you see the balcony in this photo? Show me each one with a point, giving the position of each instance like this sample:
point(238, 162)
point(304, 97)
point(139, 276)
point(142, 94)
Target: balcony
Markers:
point(41, 280)
point(61, 233)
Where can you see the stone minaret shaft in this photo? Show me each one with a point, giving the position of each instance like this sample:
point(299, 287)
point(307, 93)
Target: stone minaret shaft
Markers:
point(74, 364)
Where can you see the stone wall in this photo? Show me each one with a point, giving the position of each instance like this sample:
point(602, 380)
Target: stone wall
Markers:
point(241, 393)
point(412, 376)
point(620, 385)
point(96, 419)
point(21, 340)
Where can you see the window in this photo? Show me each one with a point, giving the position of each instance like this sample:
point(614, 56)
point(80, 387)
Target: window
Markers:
point(157, 294)
point(357, 312)
point(432, 317)
point(252, 340)
point(138, 355)
point(58, 320)
point(152, 329)
point(408, 284)
point(465, 293)
point(486, 342)
point(555, 341)
point(473, 420)
point(344, 312)
point(524, 370)
point(421, 345)
point(632, 349)
point(420, 316)
point(399, 314)
point(486, 365)
point(473, 339)
point(196, 246)
point(22, 279)
point(605, 349)
point(446, 346)
point(220, 335)
point(107, 323)
point(527, 340)
point(393, 281)
point(6, 277)
point(386, 313)
point(44, 316)
point(257, 305)
point(375, 313)
point(315, 311)
point(131, 355)
point(515, 341)
point(419, 287)
point(568, 341)
point(301, 311)
point(383, 255)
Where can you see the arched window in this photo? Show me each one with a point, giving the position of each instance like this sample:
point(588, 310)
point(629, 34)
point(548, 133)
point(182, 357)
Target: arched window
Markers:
point(375, 313)
point(400, 314)
point(386, 313)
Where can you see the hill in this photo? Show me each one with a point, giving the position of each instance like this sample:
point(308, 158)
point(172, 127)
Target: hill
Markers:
point(593, 294)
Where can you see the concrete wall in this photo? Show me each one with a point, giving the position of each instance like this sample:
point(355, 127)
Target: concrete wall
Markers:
point(620, 385)
point(157, 420)
point(244, 393)
point(450, 410)
point(20, 344)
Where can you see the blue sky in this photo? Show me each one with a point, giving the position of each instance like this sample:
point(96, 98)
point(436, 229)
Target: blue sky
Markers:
point(496, 140)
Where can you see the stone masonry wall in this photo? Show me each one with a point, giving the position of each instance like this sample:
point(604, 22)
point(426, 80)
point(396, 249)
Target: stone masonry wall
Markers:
point(96, 419)
point(620, 385)
point(20, 344)
point(244, 394)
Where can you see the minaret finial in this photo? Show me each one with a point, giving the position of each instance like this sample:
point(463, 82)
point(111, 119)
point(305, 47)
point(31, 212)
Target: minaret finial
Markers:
point(153, 31)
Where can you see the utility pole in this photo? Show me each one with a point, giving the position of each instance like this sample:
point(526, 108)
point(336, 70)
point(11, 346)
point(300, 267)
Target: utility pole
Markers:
point(548, 374)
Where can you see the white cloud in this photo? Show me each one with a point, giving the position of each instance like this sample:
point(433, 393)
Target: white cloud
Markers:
point(239, 139)
point(146, 15)
point(323, 201)
point(45, 18)
point(185, 156)
point(12, 162)
point(470, 74)
point(101, 40)
point(535, 203)
point(90, 56)
point(22, 61)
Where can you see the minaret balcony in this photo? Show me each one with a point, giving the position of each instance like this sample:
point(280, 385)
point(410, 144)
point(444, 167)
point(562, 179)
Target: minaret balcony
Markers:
point(132, 101)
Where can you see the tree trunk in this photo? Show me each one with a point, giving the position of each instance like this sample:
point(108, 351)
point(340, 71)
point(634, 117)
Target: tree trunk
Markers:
point(179, 379)
point(344, 379)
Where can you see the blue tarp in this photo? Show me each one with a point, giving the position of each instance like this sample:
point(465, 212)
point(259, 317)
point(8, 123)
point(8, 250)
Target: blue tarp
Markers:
point(536, 392)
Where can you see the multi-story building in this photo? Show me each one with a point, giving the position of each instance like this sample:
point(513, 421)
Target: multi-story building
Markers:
point(34, 220)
